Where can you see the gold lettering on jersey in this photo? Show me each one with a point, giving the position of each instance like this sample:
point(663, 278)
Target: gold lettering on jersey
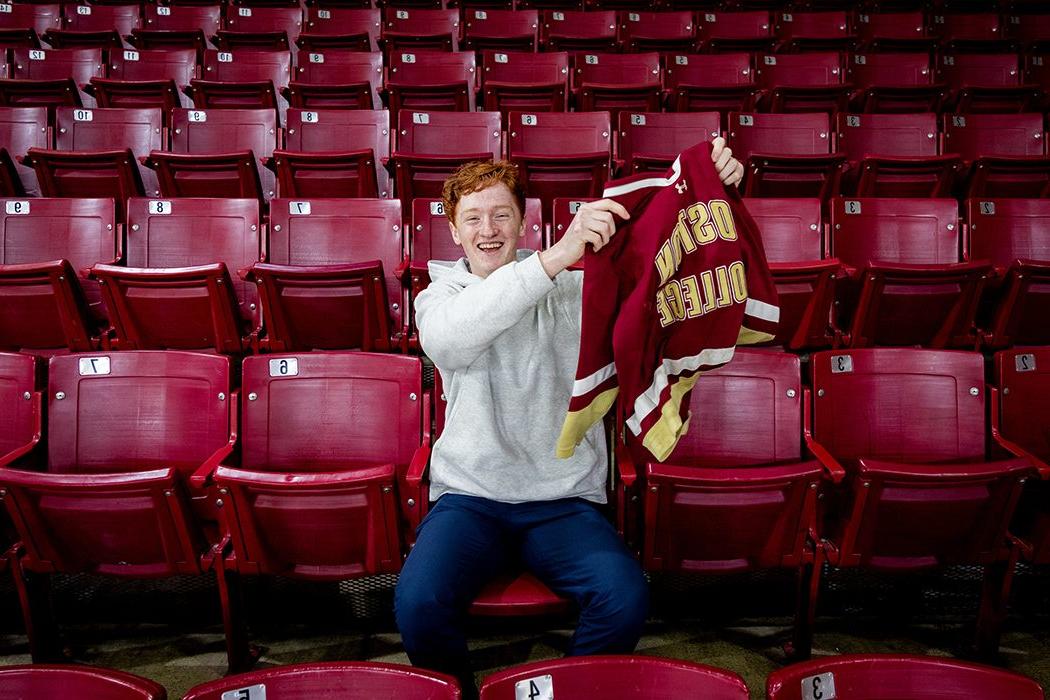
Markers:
point(738, 282)
point(698, 224)
point(697, 295)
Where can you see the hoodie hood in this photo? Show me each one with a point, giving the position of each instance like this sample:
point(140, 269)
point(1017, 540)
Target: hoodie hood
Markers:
point(458, 272)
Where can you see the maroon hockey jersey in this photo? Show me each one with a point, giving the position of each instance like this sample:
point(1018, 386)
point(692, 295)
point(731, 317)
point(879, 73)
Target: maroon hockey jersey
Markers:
point(682, 282)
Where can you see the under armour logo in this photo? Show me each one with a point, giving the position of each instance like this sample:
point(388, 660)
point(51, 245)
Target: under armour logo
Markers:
point(681, 187)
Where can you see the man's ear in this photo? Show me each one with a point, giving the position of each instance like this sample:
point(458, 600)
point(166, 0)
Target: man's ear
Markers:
point(455, 235)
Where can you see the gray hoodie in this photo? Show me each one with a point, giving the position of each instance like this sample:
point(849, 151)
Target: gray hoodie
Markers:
point(507, 347)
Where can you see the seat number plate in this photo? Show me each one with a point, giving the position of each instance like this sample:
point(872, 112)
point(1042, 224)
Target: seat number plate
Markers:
point(538, 688)
point(820, 687)
point(284, 367)
point(252, 692)
point(93, 365)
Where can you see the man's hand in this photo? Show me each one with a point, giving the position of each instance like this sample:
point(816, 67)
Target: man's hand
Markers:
point(594, 224)
point(730, 170)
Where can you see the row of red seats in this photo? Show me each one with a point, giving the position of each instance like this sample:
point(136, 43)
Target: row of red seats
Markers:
point(823, 81)
point(323, 475)
point(648, 678)
point(881, 272)
point(562, 28)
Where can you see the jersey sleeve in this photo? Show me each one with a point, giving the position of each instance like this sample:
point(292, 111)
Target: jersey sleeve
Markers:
point(762, 309)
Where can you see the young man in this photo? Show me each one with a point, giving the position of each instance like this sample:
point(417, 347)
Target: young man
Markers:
point(503, 328)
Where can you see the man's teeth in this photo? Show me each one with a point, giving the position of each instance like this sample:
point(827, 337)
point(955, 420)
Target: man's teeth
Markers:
point(490, 246)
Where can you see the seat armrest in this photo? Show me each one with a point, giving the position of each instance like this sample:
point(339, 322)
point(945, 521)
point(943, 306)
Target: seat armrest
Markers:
point(203, 475)
point(835, 471)
point(21, 451)
point(1041, 467)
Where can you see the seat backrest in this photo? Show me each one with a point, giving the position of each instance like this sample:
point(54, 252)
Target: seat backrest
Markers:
point(803, 69)
point(976, 135)
point(966, 26)
point(655, 133)
point(136, 410)
point(792, 230)
point(1023, 378)
point(83, 231)
point(341, 21)
point(40, 17)
point(55, 64)
point(492, 23)
point(626, 69)
point(431, 239)
point(553, 133)
point(979, 70)
point(575, 24)
point(429, 67)
point(339, 231)
point(330, 411)
point(563, 211)
point(750, 410)
point(811, 25)
point(207, 18)
point(1005, 230)
point(352, 678)
point(708, 70)
point(223, 131)
point(108, 129)
point(247, 66)
point(266, 19)
point(96, 18)
point(782, 134)
point(18, 418)
point(179, 65)
point(42, 681)
point(22, 128)
point(1029, 28)
point(594, 676)
point(422, 22)
point(898, 676)
point(449, 133)
point(890, 25)
point(888, 230)
point(903, 404)
point(861, 135)
point(315, 131)
point(341, 68)
point(889, 69)
point(747, 24)
point(527, 68)
point(671, 25)
point(185, 231)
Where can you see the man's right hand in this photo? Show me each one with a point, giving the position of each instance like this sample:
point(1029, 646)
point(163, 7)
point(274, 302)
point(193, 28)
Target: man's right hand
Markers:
point(594, 224)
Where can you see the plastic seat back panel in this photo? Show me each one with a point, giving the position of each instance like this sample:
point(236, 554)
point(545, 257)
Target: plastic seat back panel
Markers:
point(804, 69)
point(914, 231)
point(1006, 230)
point(108, 129)
point(332, 130)
point(976, 135)
point(791, 229)
point(780, 134)
point(55, 64)
point(22, 128)
point(862, 135)
point(890, 70)
point(651, 141)
point(42, 680)
point(19, 417)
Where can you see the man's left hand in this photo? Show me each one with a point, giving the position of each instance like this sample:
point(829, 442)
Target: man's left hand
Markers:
point(730, 170)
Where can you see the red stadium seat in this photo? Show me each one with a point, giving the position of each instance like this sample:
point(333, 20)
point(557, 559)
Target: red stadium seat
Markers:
point(148, 78)
point(895, 155)
point(43, 680)
point(658, 31)
point(813, 31)
point(50, 77)
point(1014, 235)
point(180, 290)
point(729, 498)
point(117, 497)
point(1032, 31)
point(108, 173)
point(21, 128)
point(26, 21)
point(970, 32)
point(243, 79)
point(177, 26)
point(355, 679)
point(20, 405)
point(703, 83)
point(260, 28)
point(431, 81)
point(217, 153)
point(1007, 153)
point(343, 79)
point(575, 31)
point(322, 492)
point(501, 30)
point(870, 676)
point(808, 82)
point(909, 284)
point(95, 26)
point(613, 82)
point(47, 247)
point(560, 155)
point(331, 278)
point(334, 153)
point(792, 233)
point(563, 212)
point(431, 145)
point(525, 81)
point(749, 30)
point(609, 676)
point(649, 142)
point(893, 31)
point(414, 29)
point(987, 83)
point(112, 130)
point(894, 82)
point(919, 492)
point(786, 155)
point(329, 28)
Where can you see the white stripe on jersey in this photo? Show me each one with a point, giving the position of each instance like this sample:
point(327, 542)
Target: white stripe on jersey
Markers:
point(648, 401)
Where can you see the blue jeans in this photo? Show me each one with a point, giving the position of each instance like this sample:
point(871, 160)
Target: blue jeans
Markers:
point(568, 544)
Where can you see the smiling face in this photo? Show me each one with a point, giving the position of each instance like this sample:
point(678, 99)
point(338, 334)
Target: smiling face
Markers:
point(488, 225)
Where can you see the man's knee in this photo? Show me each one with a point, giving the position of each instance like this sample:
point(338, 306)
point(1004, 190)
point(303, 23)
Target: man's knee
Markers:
point(623, 597)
